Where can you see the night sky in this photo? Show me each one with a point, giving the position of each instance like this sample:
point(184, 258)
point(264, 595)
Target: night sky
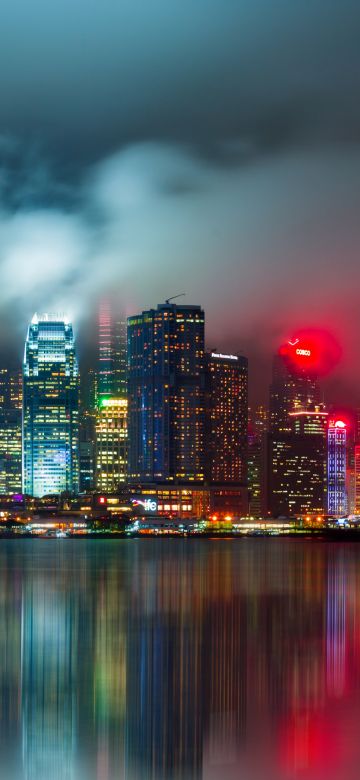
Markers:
point(210, 147)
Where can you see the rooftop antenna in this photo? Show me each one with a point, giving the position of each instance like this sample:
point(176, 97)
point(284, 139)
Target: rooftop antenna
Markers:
point(181, 295)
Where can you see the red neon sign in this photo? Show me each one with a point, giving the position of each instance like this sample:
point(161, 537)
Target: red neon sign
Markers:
point(311, 351)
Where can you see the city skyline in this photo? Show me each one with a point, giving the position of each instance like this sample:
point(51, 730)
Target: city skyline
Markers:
point(163, 417)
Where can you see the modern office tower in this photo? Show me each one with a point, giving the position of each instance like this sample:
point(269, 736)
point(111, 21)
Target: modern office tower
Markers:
point(111, 444)
point(257, 430)
point(50, 408)
point(357, 478)
point(105, 373)
point(120, 358)
point(87, 451)
point(226, 419)
point(10, 431)
point(87, 433)
point(112, 368)
point(294, 385)
point(336, 438)
point(297, 477)
point(166, 395)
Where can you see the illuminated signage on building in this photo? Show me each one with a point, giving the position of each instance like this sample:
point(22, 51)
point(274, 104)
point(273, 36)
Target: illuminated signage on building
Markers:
point(113, 402)
point(306, 352)
point(150, 505)
point(224, 357)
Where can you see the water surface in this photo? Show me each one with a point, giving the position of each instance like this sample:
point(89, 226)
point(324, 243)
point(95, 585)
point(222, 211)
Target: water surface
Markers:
point(179, 660)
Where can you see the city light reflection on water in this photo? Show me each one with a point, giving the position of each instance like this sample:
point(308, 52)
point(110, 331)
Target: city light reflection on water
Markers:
point(179, 660)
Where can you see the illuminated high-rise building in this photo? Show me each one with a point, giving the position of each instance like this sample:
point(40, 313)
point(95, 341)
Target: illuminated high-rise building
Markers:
point(111, 407)
point(226, 418)
point(119, 358)
point(293, 387)
point(10, 431)
point(297, 478)
point(166, 395)
point(296, 460)
point(226, 421)
point(112, 368)
point(105, 373)
point(50, 408)
point(357, 478)
point(336, 459)
point(257, 430)
point(111, 444)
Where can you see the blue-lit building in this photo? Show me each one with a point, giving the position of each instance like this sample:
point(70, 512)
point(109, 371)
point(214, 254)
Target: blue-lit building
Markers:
point(50, 408)
point(336, 439)
point(166, 395)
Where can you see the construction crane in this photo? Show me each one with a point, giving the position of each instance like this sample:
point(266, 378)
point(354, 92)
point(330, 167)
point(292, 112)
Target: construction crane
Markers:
point(181, 295)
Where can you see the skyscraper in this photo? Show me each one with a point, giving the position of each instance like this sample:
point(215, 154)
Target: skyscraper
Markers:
point(296, 461)
point(119, 358)
point(106, 358)
point(336, 437)
point(357, 478)
point(166, 395)
point(226, 418)
point(226, 422)
point(297, 477)
point(111, 444)
point(111, 407)
point(10, 431)
point(294, 386)
point(258, 426)
point(50, 408)
point(112, 369)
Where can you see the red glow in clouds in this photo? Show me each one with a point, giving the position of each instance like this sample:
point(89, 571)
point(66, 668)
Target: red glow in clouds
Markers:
point(312, 351)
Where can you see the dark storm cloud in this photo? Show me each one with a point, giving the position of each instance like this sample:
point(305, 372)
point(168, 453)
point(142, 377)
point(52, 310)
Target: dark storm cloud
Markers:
point(212, 146)
point(86, 77)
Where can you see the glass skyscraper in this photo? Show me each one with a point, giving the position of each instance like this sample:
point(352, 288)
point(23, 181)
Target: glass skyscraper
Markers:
point(166, 395)
point(336, 438)
point(50, 408)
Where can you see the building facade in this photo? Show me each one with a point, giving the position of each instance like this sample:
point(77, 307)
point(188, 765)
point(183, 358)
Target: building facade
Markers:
point(257, 432)
point(297, 477)
point(166, 395)
point(111, 444)
point(336, 459)
point(50, 408)
point(10, 431)
point(294, 386)
point(226, 418)
point(112, 357)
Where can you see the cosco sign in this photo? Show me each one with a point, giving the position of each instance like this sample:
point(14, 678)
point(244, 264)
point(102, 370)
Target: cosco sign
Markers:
point(306, 352)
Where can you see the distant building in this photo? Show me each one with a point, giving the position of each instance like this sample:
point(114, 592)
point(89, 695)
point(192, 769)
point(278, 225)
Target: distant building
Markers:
point(258, 425)
point(112, 354)
point(120, 358)
point(105, 370)
point(336, 437)
point(226, 418)
point(10, 431)
point(357, 478)
point(297, 478)
point(87, 444)
point(293, 386)
point(111, 444)
point(50, 408)
point(225, 442)
point(296, 460)
point(166, 395)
